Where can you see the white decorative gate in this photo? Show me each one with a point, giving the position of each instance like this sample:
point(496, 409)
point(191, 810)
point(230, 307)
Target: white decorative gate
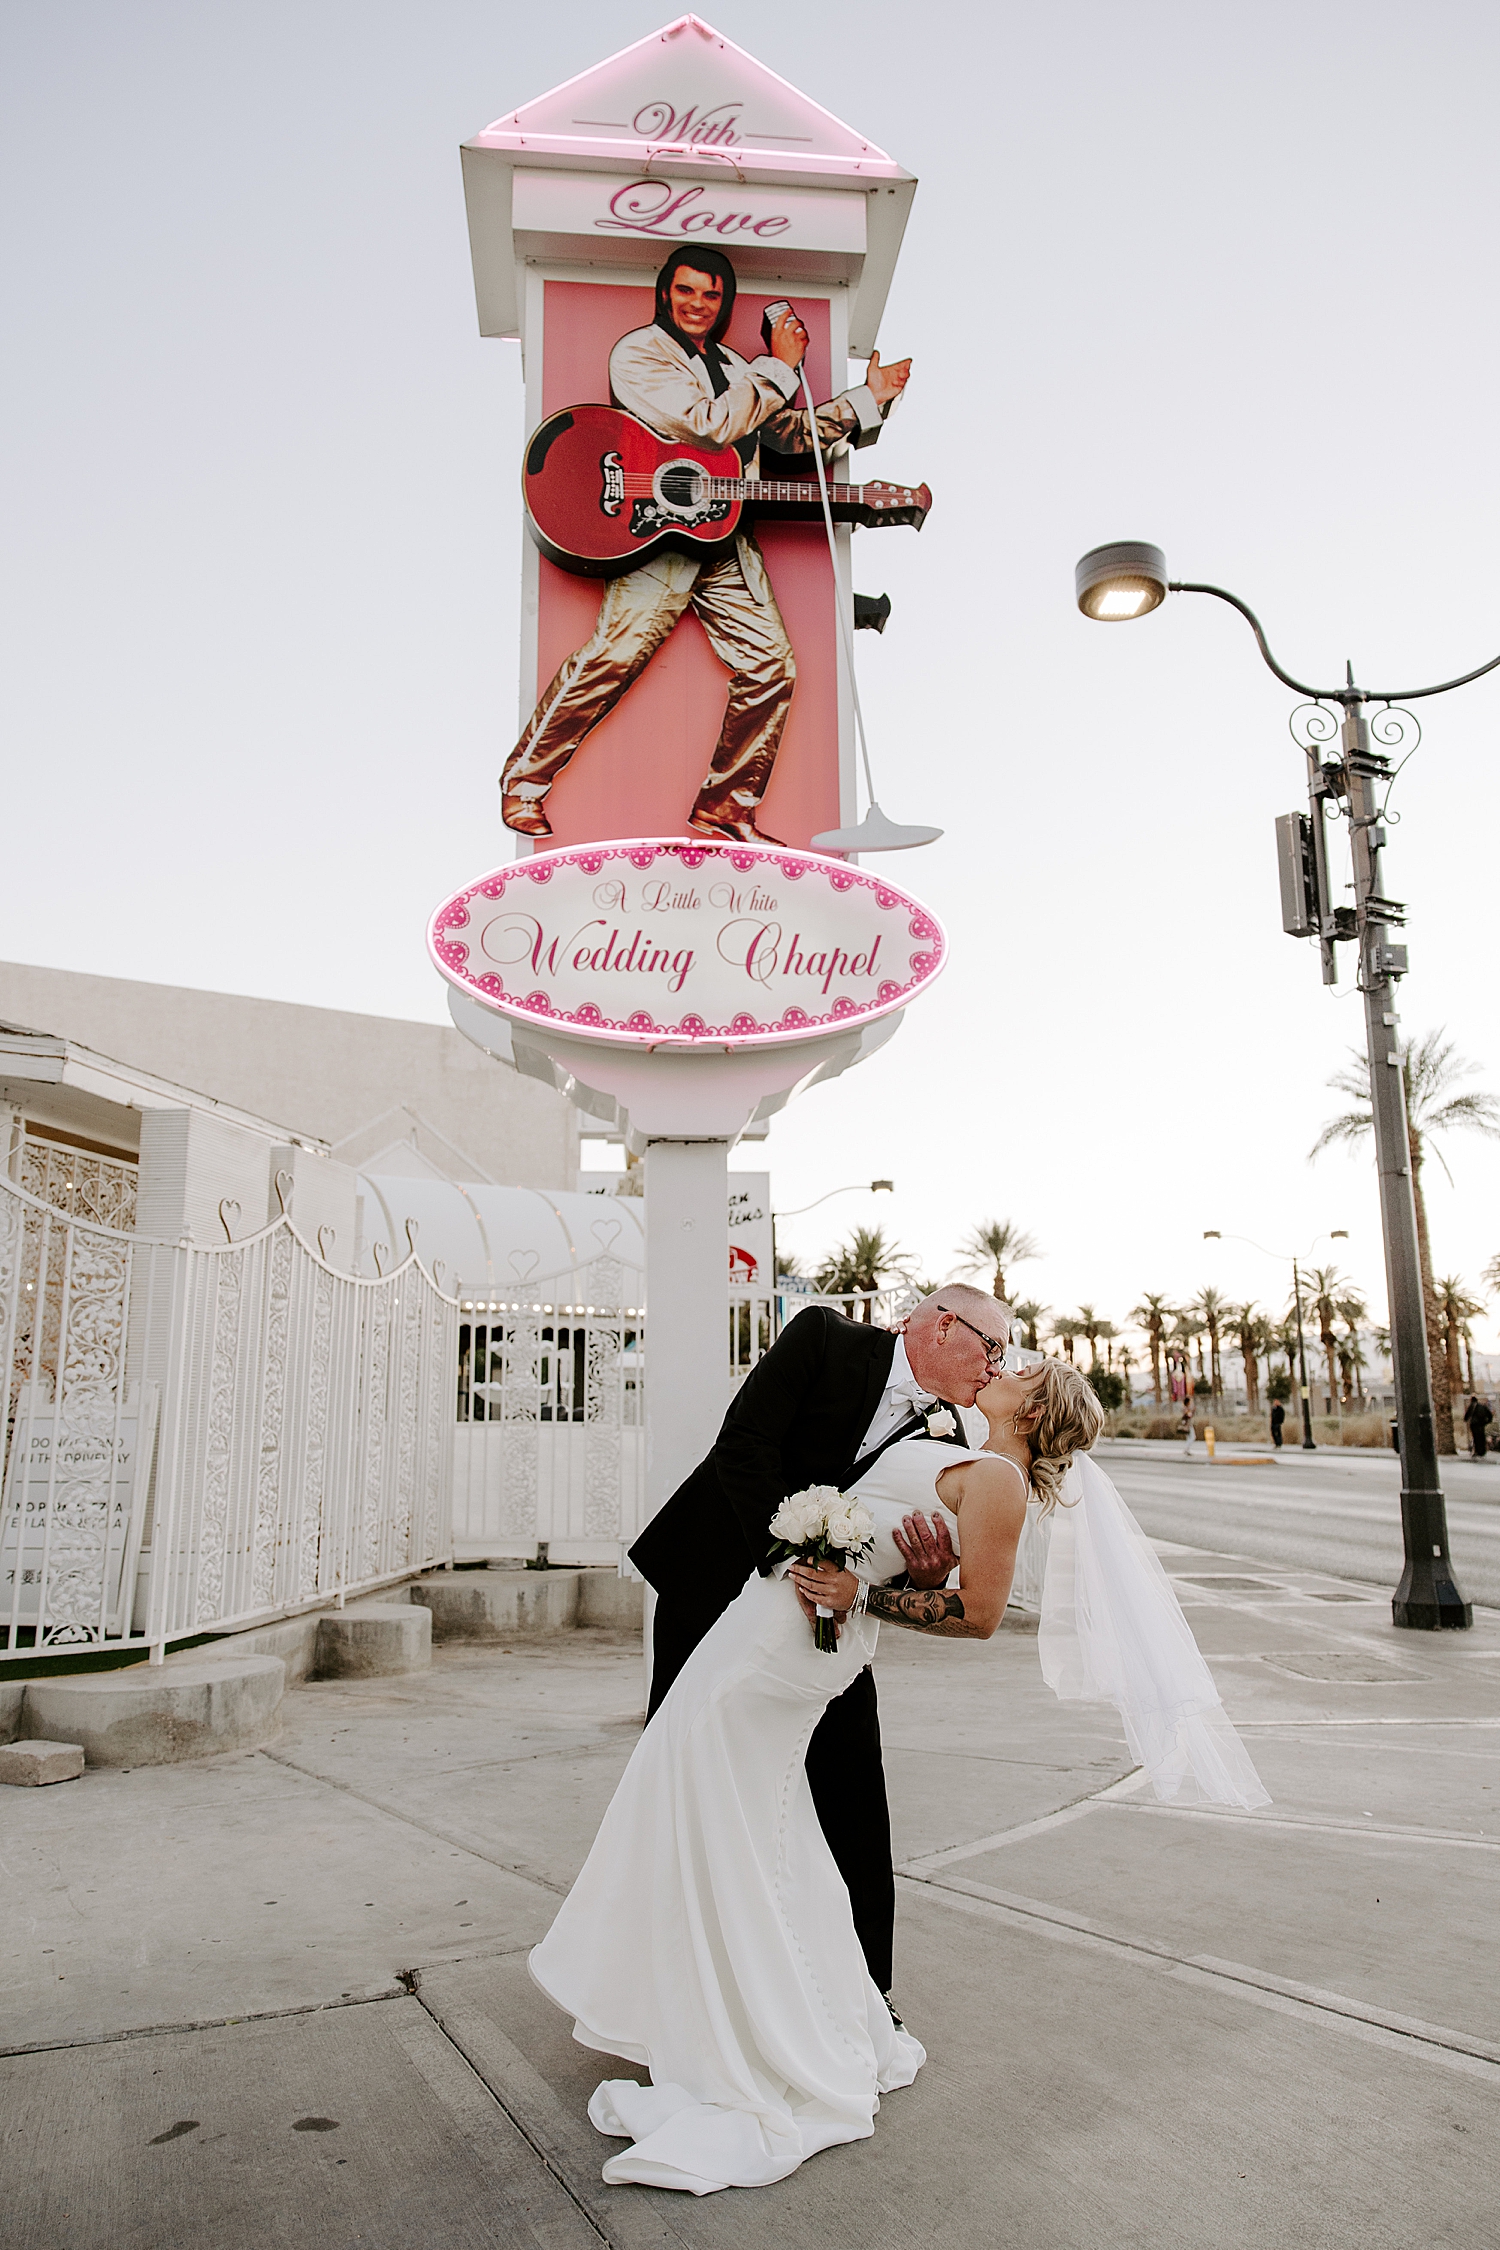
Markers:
point(550, 1446)
point(550, 1449)
point(200, 1438)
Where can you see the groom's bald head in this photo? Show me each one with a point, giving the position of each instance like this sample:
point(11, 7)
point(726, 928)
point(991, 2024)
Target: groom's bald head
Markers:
point(949, 1337)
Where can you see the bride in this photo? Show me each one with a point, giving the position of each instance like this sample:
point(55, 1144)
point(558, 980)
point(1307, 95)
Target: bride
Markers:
point(709, 1937)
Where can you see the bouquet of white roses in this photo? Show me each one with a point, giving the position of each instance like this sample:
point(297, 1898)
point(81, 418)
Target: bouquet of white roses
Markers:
point(817, 1525)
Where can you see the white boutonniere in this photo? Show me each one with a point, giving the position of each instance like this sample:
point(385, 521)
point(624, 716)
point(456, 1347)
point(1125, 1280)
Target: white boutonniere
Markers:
point(941, 1423)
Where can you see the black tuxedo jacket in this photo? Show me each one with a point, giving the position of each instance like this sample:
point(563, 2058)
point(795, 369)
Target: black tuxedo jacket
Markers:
point(798, 1419)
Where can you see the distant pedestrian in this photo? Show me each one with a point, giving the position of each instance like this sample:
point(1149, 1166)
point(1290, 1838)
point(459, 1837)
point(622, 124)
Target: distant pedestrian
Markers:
point(1278, 1417)
point(1479, 1417)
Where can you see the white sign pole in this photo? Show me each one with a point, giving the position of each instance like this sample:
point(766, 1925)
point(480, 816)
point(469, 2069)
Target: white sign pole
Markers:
point(687, 1298)
point(687, 1310)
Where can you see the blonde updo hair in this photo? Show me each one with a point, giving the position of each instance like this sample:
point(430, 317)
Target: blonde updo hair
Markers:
point(1068, 1420)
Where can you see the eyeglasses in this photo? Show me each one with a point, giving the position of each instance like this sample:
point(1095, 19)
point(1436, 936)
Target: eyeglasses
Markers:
point(994, 1346)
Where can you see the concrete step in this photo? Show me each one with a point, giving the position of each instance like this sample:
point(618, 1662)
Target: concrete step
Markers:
point(502, 1605)
point(294, 1640)
point(157, 1714)
point(34, 1765)
point(375, 1639)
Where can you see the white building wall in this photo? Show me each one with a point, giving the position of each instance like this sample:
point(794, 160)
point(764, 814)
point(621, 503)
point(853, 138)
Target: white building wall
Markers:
point(189, 1164)
point(358, 1082)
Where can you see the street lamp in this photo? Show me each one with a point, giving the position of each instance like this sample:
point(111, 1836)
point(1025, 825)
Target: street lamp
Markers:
point(855, 1187)
point(1129, 579)
point(1335, 1234)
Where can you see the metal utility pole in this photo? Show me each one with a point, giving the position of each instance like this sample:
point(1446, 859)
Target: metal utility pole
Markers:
point(1309, 1442)
point(1428, 1594)
point(1130, 580)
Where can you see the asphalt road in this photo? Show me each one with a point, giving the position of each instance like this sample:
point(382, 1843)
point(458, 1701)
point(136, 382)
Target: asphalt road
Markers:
point(1333, 1510)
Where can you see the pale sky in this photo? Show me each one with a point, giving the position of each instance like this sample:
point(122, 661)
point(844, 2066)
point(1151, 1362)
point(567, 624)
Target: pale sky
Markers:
point(1174, 272)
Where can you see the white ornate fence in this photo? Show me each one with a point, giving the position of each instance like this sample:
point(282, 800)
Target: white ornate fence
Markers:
point(201, 1438)
point(85, 1184)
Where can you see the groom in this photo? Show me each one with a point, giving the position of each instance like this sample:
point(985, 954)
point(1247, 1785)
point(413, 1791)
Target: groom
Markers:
point(820, 1407)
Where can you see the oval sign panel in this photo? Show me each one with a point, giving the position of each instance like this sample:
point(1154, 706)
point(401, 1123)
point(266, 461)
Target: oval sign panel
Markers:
point(662, 940)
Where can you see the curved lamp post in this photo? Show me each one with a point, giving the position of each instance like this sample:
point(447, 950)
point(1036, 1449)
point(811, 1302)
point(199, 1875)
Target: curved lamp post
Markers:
point(1349, 771)
point(855, 1187)
point(852, 1187)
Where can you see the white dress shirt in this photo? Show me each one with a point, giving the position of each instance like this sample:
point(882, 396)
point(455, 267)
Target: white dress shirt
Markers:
point(902, 1397)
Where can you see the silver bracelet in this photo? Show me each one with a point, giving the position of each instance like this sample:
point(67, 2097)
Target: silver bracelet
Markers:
point(861, 1601)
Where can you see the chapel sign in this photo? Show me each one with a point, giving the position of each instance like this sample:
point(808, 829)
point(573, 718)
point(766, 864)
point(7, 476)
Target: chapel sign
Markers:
point(656, 941)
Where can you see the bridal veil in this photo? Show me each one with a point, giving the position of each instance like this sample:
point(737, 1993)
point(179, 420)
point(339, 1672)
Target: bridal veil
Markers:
point(1112, 1631)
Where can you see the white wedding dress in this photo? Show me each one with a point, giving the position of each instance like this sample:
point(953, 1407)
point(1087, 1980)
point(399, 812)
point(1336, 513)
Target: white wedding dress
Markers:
point(710, 1937)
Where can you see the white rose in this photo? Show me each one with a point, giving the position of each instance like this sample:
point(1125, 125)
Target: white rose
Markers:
point(787, 1522)
point(800, 1517)
point(861, 1523)
point(941, 1424)
point(823, 1500)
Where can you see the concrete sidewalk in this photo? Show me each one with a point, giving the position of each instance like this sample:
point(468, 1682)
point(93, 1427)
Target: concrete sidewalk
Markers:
point(280, 1997)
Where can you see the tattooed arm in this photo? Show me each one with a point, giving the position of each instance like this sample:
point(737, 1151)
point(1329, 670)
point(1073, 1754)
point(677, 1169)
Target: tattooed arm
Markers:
point(991, 1496)
point(941, 1611)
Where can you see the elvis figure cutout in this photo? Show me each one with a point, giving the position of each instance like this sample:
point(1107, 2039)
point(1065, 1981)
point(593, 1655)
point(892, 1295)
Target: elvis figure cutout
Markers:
point(684, 382)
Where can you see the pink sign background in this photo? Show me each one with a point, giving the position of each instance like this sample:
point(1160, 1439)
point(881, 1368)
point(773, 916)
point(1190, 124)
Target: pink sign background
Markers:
point(639, 771)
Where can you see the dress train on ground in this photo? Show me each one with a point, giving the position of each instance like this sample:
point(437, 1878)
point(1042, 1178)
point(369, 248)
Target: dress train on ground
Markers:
point(709, 1936)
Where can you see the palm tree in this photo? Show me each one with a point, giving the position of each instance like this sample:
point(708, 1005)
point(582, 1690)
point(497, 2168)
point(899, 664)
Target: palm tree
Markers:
point(1187, 1330)
point(1152, 1314)
point(1351, 1367)
point(1430, 1069)
point(1215, 1312)
point(1353, 1312)
point(1066, 1330)
point(1321, 1284)
point(1265, 1339)
point(1247, 1324)
point(1491, 1274)
point(1125, 1362)
point(1026, 1316)
point(1091, 1325)
point(1455, 1308)
point(997, 1243)
point(1286, 1341)
point(855, 1267)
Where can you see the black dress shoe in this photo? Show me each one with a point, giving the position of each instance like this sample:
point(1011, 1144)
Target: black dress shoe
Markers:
point(895, 2018)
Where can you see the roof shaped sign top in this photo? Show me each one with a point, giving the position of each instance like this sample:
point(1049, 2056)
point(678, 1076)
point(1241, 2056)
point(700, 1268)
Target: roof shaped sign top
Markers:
point(683, 103)
point(687, 88)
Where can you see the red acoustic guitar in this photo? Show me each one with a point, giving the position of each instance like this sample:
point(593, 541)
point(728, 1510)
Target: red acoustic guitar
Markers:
point(603, 494)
